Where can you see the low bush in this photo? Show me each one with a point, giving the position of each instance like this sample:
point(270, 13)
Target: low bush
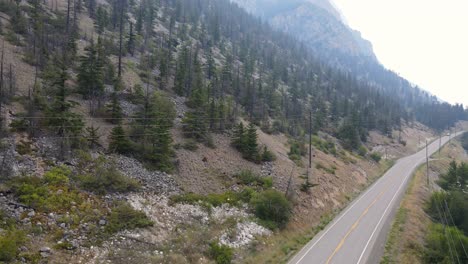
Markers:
point(437, 244)
point(267, 156)
point(221, 254)
point(327, 147)
point(10, 242)
point(105, 180)
point(247, 177)
point(50, 193)
point(123, 217)
point(272, 207)
point(214, 199)
point(362, 151)
point(464, 140)
point(376, 156)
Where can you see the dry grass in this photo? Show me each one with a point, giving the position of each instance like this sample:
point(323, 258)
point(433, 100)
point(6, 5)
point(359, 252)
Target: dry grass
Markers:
point(24, 73)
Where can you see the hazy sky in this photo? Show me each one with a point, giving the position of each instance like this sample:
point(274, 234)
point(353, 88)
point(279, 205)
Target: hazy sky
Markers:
point(425, 41)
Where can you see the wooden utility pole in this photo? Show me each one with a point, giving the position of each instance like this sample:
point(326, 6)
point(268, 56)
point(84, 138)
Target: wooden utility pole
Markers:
point(286, 193)
point(309, 170)
point(427, 163)
point(440, 143)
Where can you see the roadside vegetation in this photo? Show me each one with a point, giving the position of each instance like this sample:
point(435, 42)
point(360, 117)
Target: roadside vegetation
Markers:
point(447, 239)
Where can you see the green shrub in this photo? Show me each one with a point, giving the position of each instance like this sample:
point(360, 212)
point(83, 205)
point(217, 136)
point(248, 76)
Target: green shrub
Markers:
point(267, 182)
point(108, 179)
point(57, 176)
point(24, 147)
point(376, 156)
point(221, 254)
point(42, 195)
point(123, 217)
point(19, 125)
point(272, 207)
point(215, 199)
point(297, 150)
point(267, 156)
point(10, 242)
point(464, 140)
point(437, 244)
point(247, 177)
point(328, 147)
point(362, 150)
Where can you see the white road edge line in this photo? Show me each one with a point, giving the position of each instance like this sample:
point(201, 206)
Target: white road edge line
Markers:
point(386, 209)
point(338, 220)
point(385, 212)
point(357, 201)
point(394, 196)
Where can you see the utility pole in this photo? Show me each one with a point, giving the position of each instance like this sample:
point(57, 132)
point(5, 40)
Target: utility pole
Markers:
point(427, 163)
point(309, 170)
point(286, 193)
point(440, 144)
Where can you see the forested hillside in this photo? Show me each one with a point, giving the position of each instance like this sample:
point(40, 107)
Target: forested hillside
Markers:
point(225, 61)
point(118, 115)
point(323, 31)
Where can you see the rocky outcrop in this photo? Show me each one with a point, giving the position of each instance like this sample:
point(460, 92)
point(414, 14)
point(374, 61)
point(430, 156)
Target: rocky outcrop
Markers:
point(154, 181)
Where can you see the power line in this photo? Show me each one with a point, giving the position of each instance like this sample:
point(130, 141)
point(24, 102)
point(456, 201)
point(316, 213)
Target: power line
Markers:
point(458, 233)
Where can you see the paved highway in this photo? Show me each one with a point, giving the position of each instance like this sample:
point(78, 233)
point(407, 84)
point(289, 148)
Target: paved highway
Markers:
point(358, 234)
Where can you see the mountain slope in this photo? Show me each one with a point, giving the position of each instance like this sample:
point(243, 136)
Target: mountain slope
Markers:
point(315, 22)
point(128, 131)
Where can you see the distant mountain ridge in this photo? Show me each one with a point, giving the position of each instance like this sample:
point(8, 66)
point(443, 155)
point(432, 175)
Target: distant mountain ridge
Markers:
point(317, 23)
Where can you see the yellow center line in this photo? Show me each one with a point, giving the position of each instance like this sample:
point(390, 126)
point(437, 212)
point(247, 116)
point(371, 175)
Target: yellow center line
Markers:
point(354, 226)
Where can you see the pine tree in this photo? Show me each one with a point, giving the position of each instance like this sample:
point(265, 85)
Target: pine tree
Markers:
point(238, 139)
point(91, 5)
point(92, 136)
point(102, 19)
point(114, 109)
point(131, 40)
point(180, 82)
point(90, 74)
point(58, 114)
point(195, 121)
point(194, 126)
point(154, 122)
point(251, 145)
point(118, 141)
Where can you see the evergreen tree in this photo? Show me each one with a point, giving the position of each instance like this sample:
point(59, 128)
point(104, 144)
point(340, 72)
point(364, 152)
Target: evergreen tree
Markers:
point(131, 40)
point(251, 145)
point(195, 121)
point(92, 136)
point(102, 19)
point(238, 139)
point(58, 114)
point(90, 74)
point(118, 141)
point(114, 109)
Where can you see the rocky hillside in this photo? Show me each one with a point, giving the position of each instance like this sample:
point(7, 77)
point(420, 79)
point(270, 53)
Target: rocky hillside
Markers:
point(153, 132)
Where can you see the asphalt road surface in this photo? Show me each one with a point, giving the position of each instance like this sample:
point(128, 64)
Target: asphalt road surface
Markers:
point(359, 233)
